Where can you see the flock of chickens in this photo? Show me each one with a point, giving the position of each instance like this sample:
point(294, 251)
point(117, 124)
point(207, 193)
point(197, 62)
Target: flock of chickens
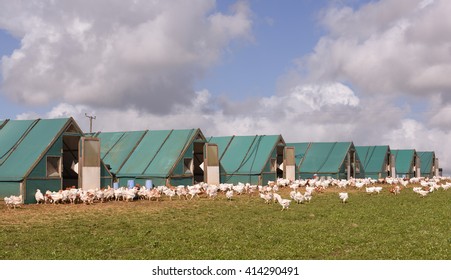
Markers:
point(269, 193)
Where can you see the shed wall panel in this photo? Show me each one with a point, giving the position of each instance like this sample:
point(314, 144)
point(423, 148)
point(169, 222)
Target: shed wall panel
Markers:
point(44, 185)
point(175, 181)
point(9, 188)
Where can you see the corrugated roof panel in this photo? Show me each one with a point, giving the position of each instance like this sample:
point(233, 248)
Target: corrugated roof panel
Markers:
point(324, 157)
point(404, 160)
point(170, 151)
point(121, 145)
point(235, 155)
point(258, 154)
point(11, 135)
point(427, 162)
point(31, 146)
point(365, 154)
point(315, 157)
point(107, 141)
point(245, 154)
point(144, 152)
point(336, 157)
point(372, 157)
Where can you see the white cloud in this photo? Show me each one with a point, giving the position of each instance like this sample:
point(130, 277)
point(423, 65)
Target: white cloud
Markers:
point(395, 54)
point(115, 54)
point(387, 47)
point(136, 72)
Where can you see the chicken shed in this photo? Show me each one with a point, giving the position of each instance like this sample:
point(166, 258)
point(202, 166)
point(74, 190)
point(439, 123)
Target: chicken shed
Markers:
point(429, 164)
point(48, 154)
point(377, 161)
point(160, 157)
point(408, 164)
point(337, 160)
point(254, 159)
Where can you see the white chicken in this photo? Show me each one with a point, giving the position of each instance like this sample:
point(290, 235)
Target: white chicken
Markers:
point(181, 191)
point(359, 185)
point(229, 194)
point(285, 203)
point(266, 196)
point(370, 189)
point(39, 196)
point(299, 198)
point(239, 189)
point(423, 193)
point(13, 201)
point(395, 190)
point(169, 192)
point(343, 196)
point(378, 189)
point(193, 192)
point(308, 196)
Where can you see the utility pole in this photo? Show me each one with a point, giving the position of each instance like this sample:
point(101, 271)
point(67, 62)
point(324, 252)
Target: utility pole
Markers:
point(90, 121)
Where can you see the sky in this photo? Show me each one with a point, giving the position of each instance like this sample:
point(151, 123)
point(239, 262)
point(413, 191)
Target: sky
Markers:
point(371, 72)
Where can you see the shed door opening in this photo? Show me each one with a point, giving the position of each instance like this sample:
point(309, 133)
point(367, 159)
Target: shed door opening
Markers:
point(70, 161)
point(279, 162)
point(350, 166)
point(198, 155)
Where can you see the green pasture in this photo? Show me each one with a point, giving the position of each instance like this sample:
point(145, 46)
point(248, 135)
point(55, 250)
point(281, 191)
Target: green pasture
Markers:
point(368, 227)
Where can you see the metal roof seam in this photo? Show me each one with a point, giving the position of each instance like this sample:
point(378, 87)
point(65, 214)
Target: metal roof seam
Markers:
point(305, 155)
point(256, 152)
point(112, 147)
point(9, 152)
point(327, 157)
point(2, 124)
point(131, 152)
point(343, 160)
point(227, 147)
point(156, 153)
point(372, 153)
point(244, 158)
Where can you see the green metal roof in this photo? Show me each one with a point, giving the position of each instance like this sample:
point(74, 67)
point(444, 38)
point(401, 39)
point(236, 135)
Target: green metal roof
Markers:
point(22, 143)
point(427, 162)
point(144, 153)
point(373, 158)
point(245, 154)
point(404, 160)
point(116, 147)
point(321, 157)
point(170, 152)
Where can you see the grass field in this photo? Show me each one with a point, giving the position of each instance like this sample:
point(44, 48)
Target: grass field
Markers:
point(368, 227)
